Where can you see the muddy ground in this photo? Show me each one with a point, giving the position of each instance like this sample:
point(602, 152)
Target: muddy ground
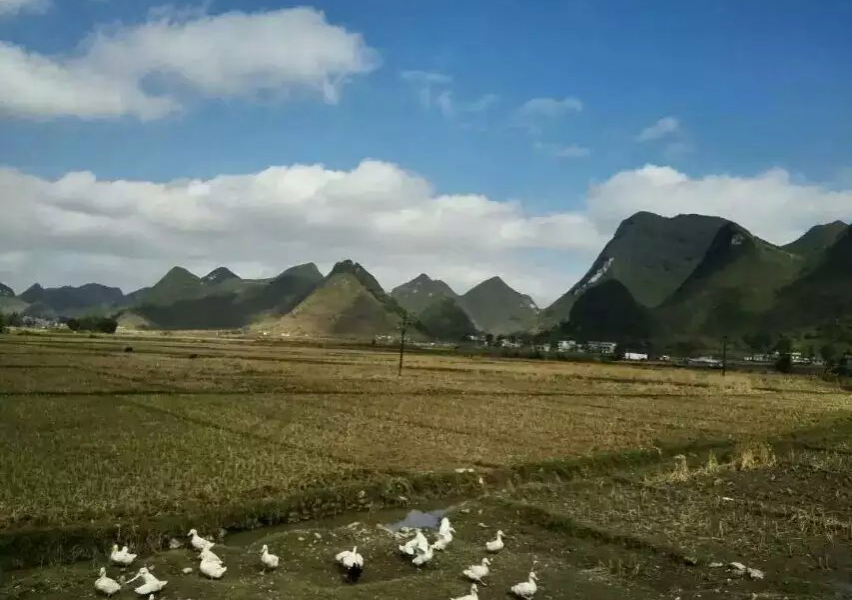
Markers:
point(655, 532)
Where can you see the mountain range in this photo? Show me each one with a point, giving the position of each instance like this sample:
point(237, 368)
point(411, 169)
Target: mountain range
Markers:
point(662, 279)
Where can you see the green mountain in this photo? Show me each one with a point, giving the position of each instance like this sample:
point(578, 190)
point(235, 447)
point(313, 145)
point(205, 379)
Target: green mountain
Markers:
point(69, 300)
point(651, 255)
point(436, 306)
point(6, 291)
point(497, 308)
point(368, 281)
point(12, 304)
point(817, 240)
point(219, 275)
point(421, 292)
point(39, 309)
point(215, 311)
point(282, 293)
point(821, 299)
point(607, 312)
point(228, 302)
point(176, 285)
point(445, 319)
point(348, 303)
point(736, 282)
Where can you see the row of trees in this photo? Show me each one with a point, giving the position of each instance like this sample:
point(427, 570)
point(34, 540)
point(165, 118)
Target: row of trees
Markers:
point(763, 343)
point(101, 324)
point(93, 323)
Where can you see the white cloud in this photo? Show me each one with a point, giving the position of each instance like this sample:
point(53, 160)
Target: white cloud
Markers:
point(377, 213)
point(482, 103)
point(426, 77)
point(425, 83)
point(149, 70)
point(549, 107)
point(433, 91)
point(770, 204)
point(78, 228)
point(663, 128)
point(563, 151)
point(445, 103)
point(37, 87)
point(14, 7)
point(533, 114)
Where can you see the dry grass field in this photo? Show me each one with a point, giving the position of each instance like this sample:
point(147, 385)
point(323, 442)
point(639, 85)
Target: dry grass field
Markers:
point(98, 442)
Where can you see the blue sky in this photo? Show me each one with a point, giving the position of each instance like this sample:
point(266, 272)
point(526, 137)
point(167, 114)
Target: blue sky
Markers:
point(743, 88)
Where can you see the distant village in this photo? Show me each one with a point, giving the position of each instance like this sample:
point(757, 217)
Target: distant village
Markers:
point(521, 347)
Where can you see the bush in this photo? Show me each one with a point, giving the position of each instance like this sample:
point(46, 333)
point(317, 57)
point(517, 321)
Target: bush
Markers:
point(100, 324)
point(784, 364)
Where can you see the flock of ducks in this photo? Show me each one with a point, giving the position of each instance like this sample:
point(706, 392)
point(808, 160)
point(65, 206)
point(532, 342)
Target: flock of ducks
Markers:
point(418, 549)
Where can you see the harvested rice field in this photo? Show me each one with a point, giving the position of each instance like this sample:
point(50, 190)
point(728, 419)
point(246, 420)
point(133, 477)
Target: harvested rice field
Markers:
point(616, 480)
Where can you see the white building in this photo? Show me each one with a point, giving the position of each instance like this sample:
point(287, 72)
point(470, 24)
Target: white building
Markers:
point(601, 347)
point(567, 346)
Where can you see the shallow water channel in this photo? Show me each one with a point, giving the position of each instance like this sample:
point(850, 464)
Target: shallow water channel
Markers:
point(391, 519)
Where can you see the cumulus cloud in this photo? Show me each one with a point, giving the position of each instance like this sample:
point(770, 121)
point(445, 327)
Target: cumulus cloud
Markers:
point(771, 204)
point(663, 128)
point(151, 69)
point(377, 213)
point(14, 7)
point(38, 87)
point(78, 228)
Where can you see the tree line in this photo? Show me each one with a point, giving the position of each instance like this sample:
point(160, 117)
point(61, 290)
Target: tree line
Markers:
point(91, 323)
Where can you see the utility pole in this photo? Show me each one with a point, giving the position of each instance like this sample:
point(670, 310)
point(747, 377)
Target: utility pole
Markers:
point(403, 327)
point(724, 354)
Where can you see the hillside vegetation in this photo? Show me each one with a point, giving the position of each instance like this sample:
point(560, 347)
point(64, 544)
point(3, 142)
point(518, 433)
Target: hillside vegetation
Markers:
point(688, 277)
point(735, 283)
point(649, 254)
point(498, 309)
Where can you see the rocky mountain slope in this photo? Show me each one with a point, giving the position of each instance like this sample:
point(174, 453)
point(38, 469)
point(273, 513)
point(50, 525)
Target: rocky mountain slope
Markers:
point(498, 309)
point(735, 282)
point(349, 302)
point(651, 255)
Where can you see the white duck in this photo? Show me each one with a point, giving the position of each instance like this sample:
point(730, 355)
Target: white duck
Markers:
point(349, 558)
point(212, 569)
point(423, 556)
point(477, 572)
point(415, 544)
point(121, 557)
point(526, 589)
point(151, 584)
point(443, 541)
point(105, 585)
point(352, 562)
point(496, 544)
point(198, 542)
point(445, 527)
point(207, 555)
point(270, 561)
point(471, 596)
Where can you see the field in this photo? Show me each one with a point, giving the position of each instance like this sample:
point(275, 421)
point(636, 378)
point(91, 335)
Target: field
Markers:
point(613, 476)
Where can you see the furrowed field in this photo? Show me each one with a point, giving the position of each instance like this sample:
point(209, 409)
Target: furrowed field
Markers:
point(97, 442)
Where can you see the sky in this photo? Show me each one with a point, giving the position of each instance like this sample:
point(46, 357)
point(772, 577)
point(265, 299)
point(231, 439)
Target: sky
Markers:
point(460, 139)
